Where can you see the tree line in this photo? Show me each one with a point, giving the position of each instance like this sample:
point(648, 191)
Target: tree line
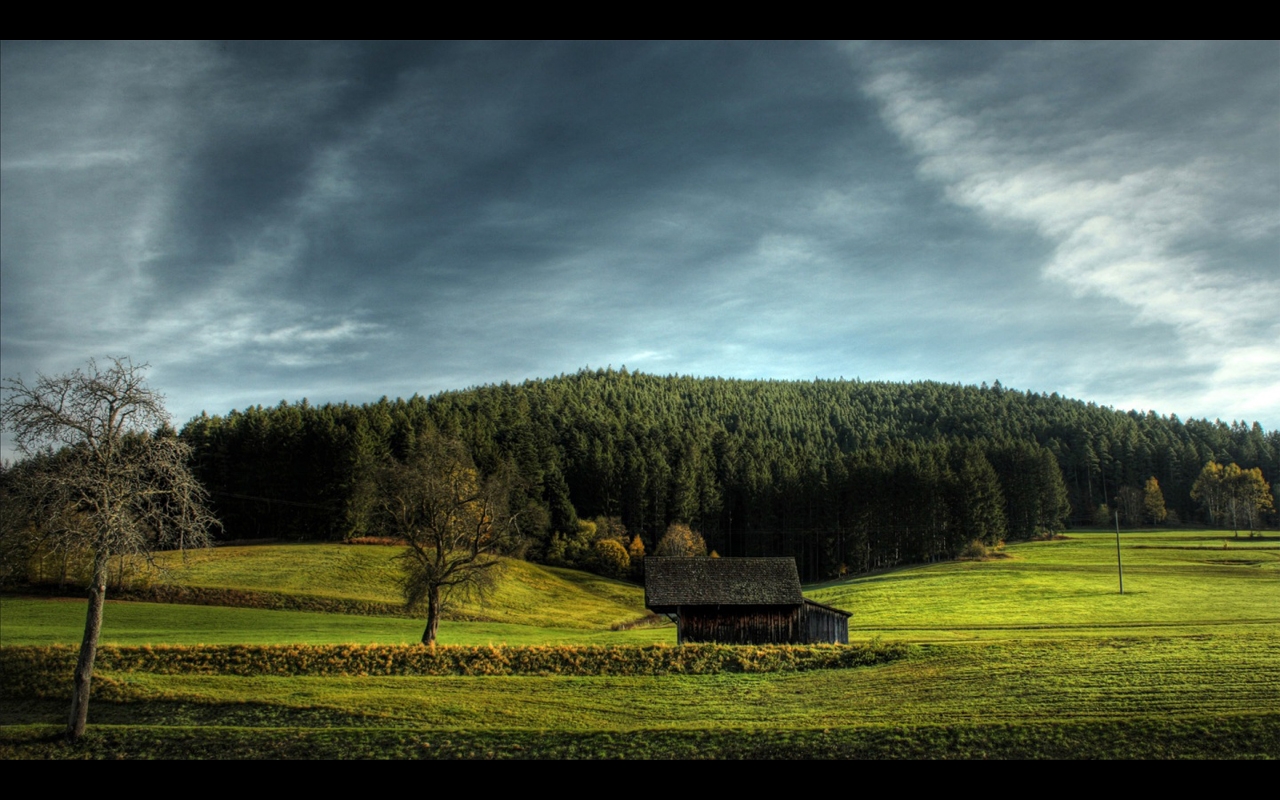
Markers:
point(844, 475)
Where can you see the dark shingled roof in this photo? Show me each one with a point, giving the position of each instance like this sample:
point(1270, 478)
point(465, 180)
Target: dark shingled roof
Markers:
point(671, 582)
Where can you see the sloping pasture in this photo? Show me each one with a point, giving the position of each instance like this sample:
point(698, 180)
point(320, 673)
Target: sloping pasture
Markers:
point(1033, 655)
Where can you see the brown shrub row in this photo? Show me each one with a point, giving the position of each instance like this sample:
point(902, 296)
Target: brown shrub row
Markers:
point(245, 598)
point(236, 598)
point(42, 670)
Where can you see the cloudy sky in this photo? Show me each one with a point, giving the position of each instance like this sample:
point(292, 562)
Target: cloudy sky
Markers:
point(342, 221)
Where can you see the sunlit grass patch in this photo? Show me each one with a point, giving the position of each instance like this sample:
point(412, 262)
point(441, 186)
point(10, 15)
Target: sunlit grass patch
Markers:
point(45, 621)
point(527, 594)
point(1171, 580)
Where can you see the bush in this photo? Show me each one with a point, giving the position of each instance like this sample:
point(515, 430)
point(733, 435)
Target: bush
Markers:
point(43, 671)
point(975, 550)
point(609, 558)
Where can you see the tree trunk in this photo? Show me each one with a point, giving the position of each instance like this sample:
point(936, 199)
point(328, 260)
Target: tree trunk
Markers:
point(433, 616)
point(88, 650)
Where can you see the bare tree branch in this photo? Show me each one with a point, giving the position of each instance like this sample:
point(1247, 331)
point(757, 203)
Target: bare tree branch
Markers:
point(97, 478)
point(454, 521)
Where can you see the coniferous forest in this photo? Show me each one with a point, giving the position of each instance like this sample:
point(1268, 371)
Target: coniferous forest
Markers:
point(847, 476)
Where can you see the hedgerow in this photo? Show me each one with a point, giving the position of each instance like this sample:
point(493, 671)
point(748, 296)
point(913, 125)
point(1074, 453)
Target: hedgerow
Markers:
point(36, 671)
point(243, 598)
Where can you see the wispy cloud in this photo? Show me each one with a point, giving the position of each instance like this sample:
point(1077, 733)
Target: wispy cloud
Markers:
point(342, 221)
point(86, 159)
point(1122, 227)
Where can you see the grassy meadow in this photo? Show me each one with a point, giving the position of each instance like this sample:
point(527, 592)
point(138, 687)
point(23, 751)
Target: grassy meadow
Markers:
point(529, 594)
point(1030, 654)
point(1174, 582)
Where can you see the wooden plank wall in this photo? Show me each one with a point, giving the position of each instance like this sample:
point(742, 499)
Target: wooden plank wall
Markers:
point(823, 626)
point(762, 625)
point(741, 624)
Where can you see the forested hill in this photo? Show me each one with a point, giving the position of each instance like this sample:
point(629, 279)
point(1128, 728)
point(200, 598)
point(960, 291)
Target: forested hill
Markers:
point(843, 474)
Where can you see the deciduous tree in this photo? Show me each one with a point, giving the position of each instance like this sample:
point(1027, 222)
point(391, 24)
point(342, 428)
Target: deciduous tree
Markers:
point(1249, 495)
point(118, 483)
point(1232, 491)
point(1130, 499)
point(610, 558)
point(1209, 489)
point(635, 552)
point(1153, 502)
point(456, 522)
point(680, 540)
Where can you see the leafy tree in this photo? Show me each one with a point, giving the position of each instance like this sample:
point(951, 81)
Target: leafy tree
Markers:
point(680, 540)
point(610, 558)
point(457, 524)
point(1102, 514)
point(113, 488)
point(1249, 495)
point(1210, 490)
point(1153, 502)
point(611, 528)
point(635, 553)
point(1232, 491)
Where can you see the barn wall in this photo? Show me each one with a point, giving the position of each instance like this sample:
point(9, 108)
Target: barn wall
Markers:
point(742, 624)
point(825, 626)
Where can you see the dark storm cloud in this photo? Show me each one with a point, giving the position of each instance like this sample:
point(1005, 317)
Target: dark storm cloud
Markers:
point(343, 221)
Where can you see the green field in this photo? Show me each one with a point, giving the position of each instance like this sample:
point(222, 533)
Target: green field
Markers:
point(1031, 655)
point(1174, 582)
point(529, 594)
point(32, 621)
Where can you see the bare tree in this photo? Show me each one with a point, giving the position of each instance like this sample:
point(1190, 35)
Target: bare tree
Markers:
point(117, 483)
point(455, 522)
point(1129, 500)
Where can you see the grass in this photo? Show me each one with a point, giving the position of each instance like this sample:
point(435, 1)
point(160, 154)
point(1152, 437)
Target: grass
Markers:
point(528, 594)
point(1174, 582)
point(1247, 737)
point(970, 684)
point(1036, 655)
point(42, 621)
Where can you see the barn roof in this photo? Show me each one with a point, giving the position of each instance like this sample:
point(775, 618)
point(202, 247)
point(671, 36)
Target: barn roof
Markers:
point(671, 582)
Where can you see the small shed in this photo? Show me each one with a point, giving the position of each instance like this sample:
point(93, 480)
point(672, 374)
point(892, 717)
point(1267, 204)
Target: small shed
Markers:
point(739, 601)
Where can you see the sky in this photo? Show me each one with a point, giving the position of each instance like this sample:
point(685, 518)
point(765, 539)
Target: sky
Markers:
point(264, 222)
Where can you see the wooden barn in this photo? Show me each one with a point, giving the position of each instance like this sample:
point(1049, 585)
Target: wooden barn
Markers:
point(739, 601)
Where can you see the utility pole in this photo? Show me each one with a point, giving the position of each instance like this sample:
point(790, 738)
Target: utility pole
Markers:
point(1119, 566)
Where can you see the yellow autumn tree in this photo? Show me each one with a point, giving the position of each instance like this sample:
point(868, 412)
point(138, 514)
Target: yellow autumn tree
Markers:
point(1153, 502)
point(1249, 495)
point(681, 541)
point(1240, 494)
point(636, 551)
point(1210, 490)
point(610, 558)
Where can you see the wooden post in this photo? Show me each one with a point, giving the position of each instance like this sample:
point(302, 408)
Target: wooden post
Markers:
point(1119, 566)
